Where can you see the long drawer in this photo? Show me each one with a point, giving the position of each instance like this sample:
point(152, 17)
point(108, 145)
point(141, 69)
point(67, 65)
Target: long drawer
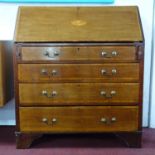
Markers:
point(79, 94)
point(116, 72)
point(79, 119)
point(79, 53)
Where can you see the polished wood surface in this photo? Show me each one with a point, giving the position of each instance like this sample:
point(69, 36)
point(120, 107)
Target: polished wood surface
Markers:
point(79, 53)
point(124, 72)
point(78, 24)
point(79, 69)
point(79, 94)
point(2, 76)
point(79, 119)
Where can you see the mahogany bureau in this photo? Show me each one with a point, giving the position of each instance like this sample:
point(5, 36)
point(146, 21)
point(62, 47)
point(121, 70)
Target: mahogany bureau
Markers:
point(78, 70)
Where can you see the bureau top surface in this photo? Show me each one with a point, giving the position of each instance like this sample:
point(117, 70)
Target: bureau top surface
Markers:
point(78, 24)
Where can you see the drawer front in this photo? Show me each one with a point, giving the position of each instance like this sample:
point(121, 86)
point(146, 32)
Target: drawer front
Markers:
point(87, 53)
point(78, 72)
point(79, 94)
point(78, 119)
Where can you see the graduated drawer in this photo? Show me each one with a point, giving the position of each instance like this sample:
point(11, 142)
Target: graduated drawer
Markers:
point(79, 53)
point(78, 119)
point(79, 94)
point(78, 72)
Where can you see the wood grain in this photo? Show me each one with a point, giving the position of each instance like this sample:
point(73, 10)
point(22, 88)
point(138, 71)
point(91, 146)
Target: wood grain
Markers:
point(78, 53)
point(78, 119)
point(79, 94)
point(78, 97)
point(82, 24)
point(125, 72)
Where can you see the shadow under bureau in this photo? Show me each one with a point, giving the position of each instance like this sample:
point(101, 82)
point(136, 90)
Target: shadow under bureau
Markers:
point(78, 70)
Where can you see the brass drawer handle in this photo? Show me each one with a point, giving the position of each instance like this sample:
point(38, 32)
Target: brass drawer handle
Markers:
point(105, 94)
point(109, 54)
point(49, 95)
point(113, 71)
point(51, 54)
point(54, 72)
point(105, 72)
point(107, 120)
point(44, 72)
point(46, 121)
point(113, 119)
point(54, 120)
point(103, 120)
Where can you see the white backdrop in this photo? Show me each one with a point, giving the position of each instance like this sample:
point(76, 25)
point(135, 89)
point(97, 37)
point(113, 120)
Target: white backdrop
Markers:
point(152, 107)
point(8, 14)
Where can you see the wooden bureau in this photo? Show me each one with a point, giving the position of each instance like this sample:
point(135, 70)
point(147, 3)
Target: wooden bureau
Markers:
point(78, 70)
